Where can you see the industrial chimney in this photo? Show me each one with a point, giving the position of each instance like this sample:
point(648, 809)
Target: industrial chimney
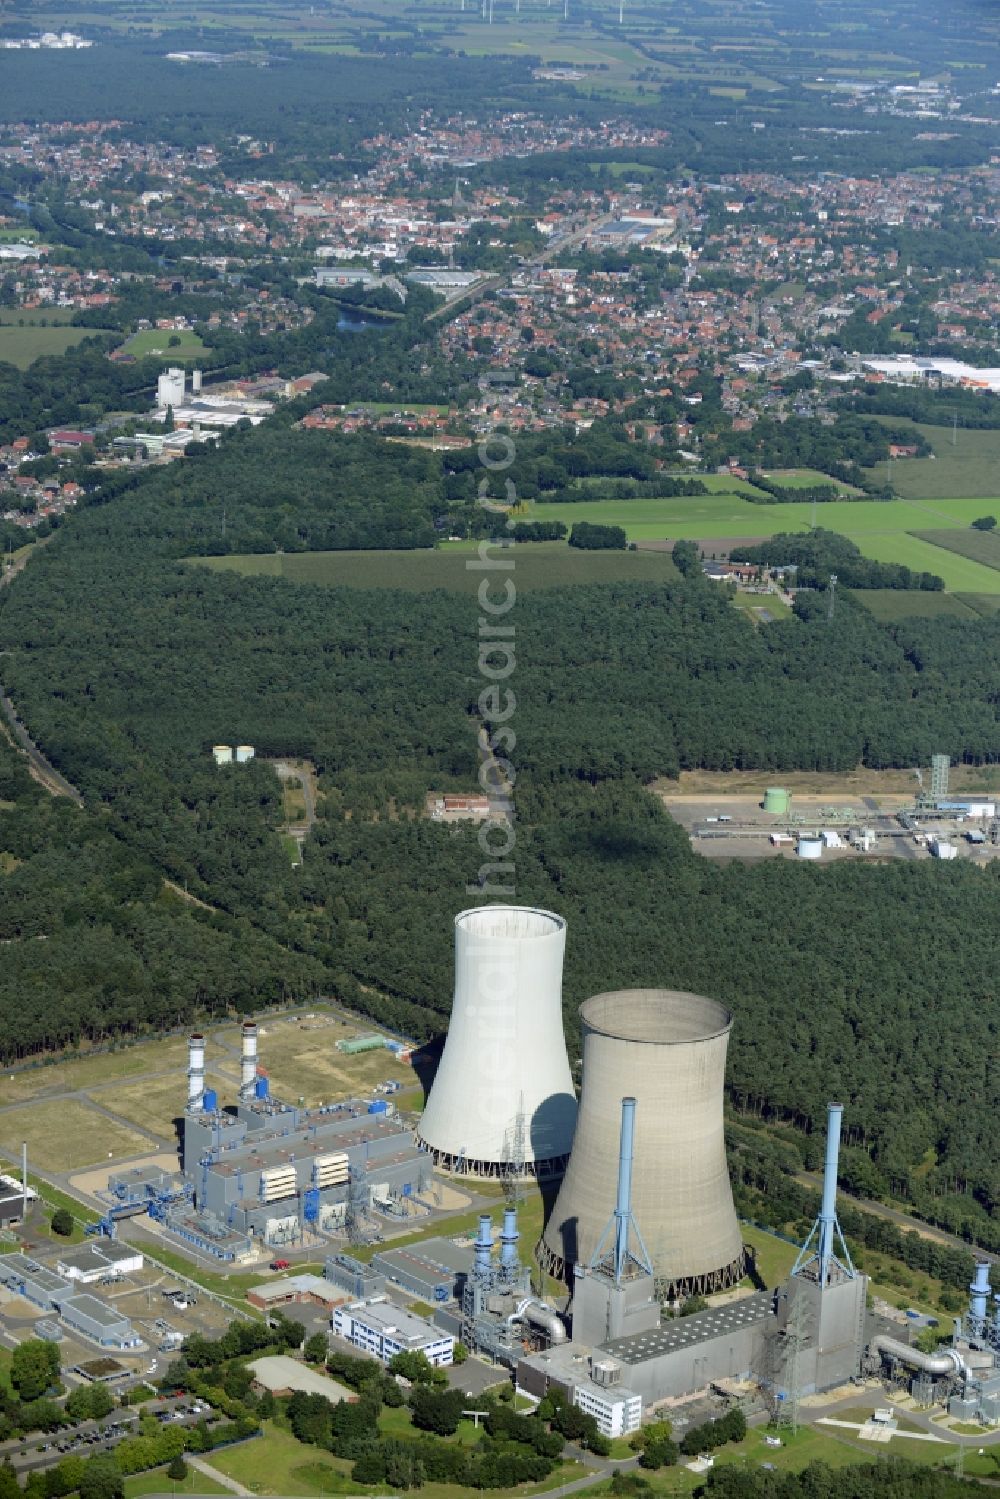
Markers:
point(819, 1258)
point(248, 1060)
point(667, 1050)
point(502, 1102)
point(196, 1072)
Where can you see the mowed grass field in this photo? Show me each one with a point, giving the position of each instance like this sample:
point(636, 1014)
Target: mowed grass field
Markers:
point(157, 341)
point(22, 346)
point(302, 1061)
point(541, 565)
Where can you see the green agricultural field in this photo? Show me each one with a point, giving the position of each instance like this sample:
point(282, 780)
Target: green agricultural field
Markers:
point(158, 342)
point(981, 603)
point(959, 573)
point(968, 466)
point(22, 346)
point(541, 565)
point(977, 546)
point(890, 604)
point(884, 531)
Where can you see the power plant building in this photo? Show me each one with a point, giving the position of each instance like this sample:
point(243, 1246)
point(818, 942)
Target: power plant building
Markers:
point(502, 1102)
point(668, 1050)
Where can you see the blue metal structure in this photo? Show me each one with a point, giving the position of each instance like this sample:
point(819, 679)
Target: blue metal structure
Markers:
point(620, 1260)
point(818, 1258)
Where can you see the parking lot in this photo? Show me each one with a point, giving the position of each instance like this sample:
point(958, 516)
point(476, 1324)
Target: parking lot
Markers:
point(87, 1437)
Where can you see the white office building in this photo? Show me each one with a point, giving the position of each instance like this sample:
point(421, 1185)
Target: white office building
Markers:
point(617, 1411)
point(383, 1330)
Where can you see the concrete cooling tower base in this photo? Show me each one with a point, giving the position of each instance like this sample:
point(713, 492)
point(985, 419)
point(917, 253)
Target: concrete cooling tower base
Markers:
point(703, 1283)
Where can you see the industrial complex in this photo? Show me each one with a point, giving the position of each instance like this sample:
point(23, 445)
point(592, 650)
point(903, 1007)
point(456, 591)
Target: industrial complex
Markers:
point(640, 1211)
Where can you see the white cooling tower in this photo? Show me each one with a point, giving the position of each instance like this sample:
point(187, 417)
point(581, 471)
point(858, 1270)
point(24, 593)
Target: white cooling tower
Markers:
point(667, 1050)
point(502, 1099)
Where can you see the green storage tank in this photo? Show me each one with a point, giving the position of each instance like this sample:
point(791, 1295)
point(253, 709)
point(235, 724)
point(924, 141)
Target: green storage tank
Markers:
point(776, 799)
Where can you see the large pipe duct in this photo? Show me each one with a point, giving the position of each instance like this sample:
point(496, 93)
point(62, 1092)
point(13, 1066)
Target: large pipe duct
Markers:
point(248, 1059)
point(667, 1050)
point(502, 1099)
point(196, 1070)
point(945, 1361)
point(539, 1314)
point(828, 1208)
point(623, 1225)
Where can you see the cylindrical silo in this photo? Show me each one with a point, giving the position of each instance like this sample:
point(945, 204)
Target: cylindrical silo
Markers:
point(502, 1100)
point(810, 846)
point(222, 754)
point(244, 753)
point(776, 800)
point(667, 1050)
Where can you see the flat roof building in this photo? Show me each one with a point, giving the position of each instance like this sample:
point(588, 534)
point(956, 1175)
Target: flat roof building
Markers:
point(435, 1270)
point(588, 1378)
point(382, 1330)
point(93, 1318)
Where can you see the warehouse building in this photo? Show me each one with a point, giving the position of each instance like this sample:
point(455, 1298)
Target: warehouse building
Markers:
point(299, 1290)
point(434, 1270)
point(33, 1281)
point(383, 1330)
point(96, 1320)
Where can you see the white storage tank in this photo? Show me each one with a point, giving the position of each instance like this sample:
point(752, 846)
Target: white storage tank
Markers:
point(195, 381)
point(810, 846)
point(244, 752)
point(222, 754)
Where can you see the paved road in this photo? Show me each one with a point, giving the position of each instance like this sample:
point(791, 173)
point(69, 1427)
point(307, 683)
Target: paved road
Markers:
point(814, 1181)
point(203, 1467)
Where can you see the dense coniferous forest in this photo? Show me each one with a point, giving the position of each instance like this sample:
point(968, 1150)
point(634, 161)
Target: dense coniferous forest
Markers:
point(95, 945)
point(128, 664)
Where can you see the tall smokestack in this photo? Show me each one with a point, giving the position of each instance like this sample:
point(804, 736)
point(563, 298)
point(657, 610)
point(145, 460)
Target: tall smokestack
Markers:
point(24, 1181)
point(196, 1071)
point(980, 1288)
point(826, 1231)
point(248, 1059)
point(484, 1244)
point(828, 1209)
point(508, 1240)
point(623, 1206)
